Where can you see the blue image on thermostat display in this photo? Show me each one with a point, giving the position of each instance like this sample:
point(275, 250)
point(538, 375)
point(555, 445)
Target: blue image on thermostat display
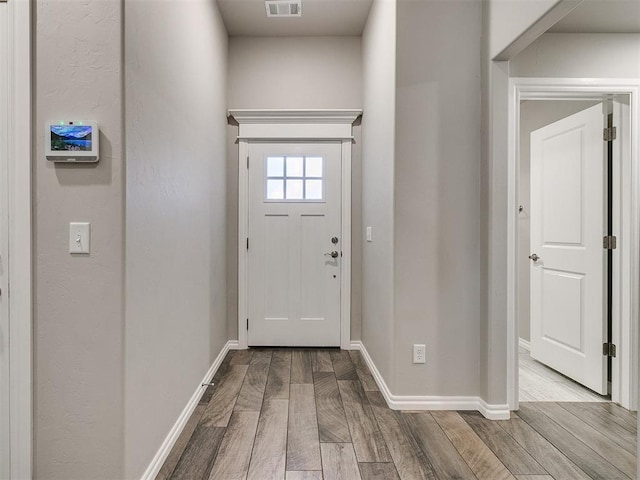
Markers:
point(71, 138)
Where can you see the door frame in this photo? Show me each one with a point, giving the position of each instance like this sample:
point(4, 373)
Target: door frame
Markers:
point(18, 259)
point(627, 307)
point(294, 126)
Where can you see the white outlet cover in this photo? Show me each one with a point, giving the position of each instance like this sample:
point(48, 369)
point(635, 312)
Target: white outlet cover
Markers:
point(79, 237)
point(419, 353)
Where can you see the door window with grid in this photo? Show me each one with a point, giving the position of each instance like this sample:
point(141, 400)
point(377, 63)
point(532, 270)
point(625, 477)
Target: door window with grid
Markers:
point(298, 178)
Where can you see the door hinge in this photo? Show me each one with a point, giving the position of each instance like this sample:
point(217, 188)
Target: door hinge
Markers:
point(608, 350)
point(247, 243)
point(609, 134)
point(247, 324)
point(247, 162)
point(609, 242)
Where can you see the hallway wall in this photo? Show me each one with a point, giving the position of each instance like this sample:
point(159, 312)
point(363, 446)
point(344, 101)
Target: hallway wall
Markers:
point(378, 135)
point(437, 197)
point(294, 73)
point(590, 55)
point(175, 66)
point(78, 300)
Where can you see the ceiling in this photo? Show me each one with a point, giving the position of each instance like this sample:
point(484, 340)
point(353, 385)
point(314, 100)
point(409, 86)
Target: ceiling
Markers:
point(601, 16)
point(319, 18)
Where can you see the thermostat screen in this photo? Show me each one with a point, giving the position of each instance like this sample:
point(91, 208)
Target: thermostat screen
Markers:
point(71, 138)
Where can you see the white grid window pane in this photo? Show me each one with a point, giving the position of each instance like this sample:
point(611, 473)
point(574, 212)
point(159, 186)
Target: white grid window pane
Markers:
point(294, 190)
point(313, 167)
point(295, 167)
point(275, 189)
point(275, 167)
point(313, 190)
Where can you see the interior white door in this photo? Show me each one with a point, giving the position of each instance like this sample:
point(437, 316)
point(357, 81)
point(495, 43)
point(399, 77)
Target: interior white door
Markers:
point(568, 316)
point(294, 244)
point(5, 426)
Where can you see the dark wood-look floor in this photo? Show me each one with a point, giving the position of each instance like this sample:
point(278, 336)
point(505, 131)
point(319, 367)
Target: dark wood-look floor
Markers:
point(305, 414)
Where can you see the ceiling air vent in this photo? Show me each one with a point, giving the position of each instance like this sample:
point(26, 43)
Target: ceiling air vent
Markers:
point(280, 8)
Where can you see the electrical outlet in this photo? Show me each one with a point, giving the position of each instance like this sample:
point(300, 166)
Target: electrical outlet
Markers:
point(419, 353)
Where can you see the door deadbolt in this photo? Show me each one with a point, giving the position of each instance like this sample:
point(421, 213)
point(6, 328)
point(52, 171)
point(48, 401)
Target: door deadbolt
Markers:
point(534, 257)
point(334, 240)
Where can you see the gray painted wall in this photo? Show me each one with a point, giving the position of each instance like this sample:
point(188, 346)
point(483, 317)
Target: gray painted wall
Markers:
point(176, 56)
point(533, 115)
point(580, 55)
point(378, 135)
point(78, 300)
point(292, 73)
point(437, 197)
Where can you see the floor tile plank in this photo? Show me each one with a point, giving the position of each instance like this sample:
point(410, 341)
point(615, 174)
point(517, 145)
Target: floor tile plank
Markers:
point(234, 454)
point(508, 451)
point(270, 447)
point(603, 422)
point(241, 357)
point(378, 471)
point(218, 411)
point(599, 443)
point(408, 464)
point(200, 453)
point(308, 475)
point(279, 375)
point(181, 444)
point(303, 444)
point(301, 367)
point(534, 477)
point(628, 417)
point(551, 459)
point(343, 366)
point(339, 461)
point(332, 423)
point(443, 456)
point(322, 361)
point(365, 434)
point(252, 391)
point(478, 456)
point(584, 457)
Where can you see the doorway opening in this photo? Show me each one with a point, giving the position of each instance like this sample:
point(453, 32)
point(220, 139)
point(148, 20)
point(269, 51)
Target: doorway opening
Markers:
point(557, 295)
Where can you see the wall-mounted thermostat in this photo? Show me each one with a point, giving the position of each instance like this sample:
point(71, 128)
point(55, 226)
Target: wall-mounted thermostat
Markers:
point(75, 141)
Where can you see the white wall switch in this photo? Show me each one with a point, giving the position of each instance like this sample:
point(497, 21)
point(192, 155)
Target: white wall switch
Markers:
point(369, 235)
point(79, 237)
point(419, 353)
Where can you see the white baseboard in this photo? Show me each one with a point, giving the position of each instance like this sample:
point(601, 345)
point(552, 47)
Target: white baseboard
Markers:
point(164, 450)
point(524, 344)
point(420, 402)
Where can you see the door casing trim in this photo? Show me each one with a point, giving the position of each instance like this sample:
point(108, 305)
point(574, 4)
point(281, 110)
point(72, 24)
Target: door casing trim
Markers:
point(19, 262)
point(626, 313)
point(295, 126)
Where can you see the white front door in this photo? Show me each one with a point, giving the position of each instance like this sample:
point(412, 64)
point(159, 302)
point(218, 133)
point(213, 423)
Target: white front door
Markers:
point(294, 245)
point(568, 215)
point(4, 317)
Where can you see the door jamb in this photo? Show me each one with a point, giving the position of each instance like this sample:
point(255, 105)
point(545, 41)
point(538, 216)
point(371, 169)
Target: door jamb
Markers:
point(295, 125)
point(19, 261)
point(625, 366)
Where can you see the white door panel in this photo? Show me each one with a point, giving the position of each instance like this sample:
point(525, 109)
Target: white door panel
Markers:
point(568, 316)
point(293, 285)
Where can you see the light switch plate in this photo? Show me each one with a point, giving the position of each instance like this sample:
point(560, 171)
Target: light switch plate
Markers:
point(79, 237)
point(369, 235)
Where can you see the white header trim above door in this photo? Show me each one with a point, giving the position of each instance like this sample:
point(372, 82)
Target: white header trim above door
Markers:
point(294, 125)
point(308, 125)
